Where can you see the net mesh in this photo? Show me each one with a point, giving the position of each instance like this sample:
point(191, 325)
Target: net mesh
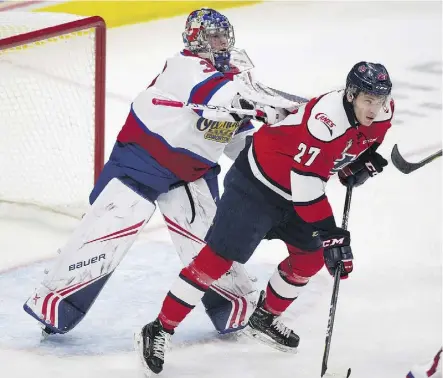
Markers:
point(47, 109)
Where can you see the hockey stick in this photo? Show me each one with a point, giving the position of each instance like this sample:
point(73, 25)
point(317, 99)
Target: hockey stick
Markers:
point(406, 167)
point(289, 96)
point(190, 105)
point(334, 298)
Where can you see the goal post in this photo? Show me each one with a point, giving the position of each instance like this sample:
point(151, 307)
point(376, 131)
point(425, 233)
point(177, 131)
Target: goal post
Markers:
point(52, 109)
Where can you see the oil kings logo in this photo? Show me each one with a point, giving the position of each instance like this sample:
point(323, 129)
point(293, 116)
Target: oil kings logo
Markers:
point(82, 264)
point(217, 131)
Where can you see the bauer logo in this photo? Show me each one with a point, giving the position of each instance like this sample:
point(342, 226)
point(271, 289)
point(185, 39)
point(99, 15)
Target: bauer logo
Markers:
point(323, 118)
point(82, 264)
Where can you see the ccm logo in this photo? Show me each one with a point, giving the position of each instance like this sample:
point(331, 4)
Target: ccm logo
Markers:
point(369, 140)
point(371, 168)
point(332, 242)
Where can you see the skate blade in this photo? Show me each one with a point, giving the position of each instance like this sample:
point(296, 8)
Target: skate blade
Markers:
point(138, 346)
point(46, 332)
point(43, 336)
point(264, 339)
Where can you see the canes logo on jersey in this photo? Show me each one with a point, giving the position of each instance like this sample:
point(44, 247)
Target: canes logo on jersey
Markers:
point(323, 118)
point(217, 131)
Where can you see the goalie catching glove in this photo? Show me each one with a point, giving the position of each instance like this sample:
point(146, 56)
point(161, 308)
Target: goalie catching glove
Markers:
point(337, 251)
point(271, 114)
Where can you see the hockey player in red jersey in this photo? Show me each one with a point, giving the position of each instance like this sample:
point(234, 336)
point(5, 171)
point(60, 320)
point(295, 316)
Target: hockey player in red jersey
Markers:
point(276, 190)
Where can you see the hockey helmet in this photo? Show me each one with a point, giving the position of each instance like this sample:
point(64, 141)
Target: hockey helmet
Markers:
point(371, 78)
point(201, 27)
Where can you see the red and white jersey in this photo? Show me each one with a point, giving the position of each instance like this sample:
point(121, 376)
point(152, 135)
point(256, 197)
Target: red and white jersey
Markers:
point(187, 142)
point(296, 157)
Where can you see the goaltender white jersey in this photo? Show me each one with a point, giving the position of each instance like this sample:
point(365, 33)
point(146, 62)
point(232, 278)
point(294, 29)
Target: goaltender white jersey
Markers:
point(187, 142)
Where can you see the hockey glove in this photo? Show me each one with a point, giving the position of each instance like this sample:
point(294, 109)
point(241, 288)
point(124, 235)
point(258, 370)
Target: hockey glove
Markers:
point(240, 102)
point(270, 116)
point(369, 164)
point(337, 251)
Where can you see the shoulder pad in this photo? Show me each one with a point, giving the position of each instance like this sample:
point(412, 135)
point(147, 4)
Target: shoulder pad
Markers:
point(328, 120)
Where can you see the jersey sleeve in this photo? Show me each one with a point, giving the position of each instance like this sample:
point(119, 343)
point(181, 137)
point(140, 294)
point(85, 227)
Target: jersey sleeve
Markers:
point(309, 174)
point(197, 81)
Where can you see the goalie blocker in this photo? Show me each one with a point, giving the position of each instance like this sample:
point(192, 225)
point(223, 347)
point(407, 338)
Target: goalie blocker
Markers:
point(103, 238)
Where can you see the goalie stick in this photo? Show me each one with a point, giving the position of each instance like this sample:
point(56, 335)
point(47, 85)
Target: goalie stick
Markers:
point(406, 167)
point(251, 112)
point(190, 105)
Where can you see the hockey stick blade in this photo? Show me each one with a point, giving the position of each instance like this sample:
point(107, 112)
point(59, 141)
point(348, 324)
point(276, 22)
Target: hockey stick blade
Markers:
point(407, 167)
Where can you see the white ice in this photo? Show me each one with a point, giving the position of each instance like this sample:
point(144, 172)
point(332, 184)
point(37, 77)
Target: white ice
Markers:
point(389, 312)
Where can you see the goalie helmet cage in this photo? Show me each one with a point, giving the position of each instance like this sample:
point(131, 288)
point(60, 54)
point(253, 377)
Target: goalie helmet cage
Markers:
point(52, 109)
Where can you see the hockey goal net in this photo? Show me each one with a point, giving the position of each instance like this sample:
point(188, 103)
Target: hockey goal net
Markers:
point(52, 104)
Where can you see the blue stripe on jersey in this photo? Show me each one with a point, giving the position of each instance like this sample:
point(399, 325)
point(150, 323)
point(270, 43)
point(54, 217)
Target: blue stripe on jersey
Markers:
point(197, 87)
point(214, 90)
point(163, 140)
point(210, 94)
point(203, 91)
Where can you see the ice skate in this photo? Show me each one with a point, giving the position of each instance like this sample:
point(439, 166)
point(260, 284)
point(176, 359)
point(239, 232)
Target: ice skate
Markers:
point(151, 343)
point(265, 327)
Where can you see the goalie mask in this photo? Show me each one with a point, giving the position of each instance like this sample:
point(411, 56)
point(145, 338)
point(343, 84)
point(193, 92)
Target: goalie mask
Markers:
point(210, 35)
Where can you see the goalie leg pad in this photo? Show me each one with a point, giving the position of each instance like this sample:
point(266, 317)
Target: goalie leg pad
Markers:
point(228, 311)
point(90, 256)
point(230, 300)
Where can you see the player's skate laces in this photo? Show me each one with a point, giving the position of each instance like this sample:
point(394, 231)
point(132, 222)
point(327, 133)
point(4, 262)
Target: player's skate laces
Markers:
point(280, 327)
point(267, 328)
point(151, 344)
